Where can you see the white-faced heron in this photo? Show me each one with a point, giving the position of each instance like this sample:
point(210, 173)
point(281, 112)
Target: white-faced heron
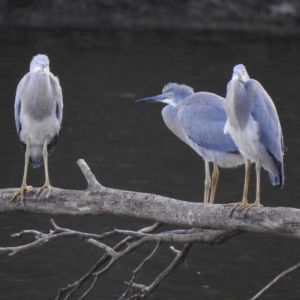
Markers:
point(38, 115)
point(254, 125)
point(198, 119)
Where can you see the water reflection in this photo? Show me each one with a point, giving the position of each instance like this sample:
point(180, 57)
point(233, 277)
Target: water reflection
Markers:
point(128, 147)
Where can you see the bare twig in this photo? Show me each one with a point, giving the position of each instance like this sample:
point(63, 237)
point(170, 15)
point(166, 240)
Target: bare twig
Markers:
point(274, 281)
point(174, 250)
point(89, 176)
point(109, 250)
point(201, 235)
point(72, 288)
point(137, 270)
point(146, 291)
point(204, 236)
point(111, 256)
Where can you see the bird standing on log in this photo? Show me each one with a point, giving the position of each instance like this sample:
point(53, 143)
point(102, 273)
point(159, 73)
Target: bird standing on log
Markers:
point(253, 123)
point(38, 116)
point(198, 119)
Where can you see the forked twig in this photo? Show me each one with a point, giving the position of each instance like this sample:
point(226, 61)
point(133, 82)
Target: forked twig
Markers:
point(146, 291)
point(137, 270)
point(72, 288)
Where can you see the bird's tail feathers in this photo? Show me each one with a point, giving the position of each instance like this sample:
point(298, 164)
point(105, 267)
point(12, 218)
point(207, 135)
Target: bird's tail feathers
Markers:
point(277, 179)
point(36, 161)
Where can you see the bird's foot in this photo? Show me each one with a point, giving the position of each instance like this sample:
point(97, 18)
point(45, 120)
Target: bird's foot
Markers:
point(21, 191)
point(249, 206)
point(45, 186)
point(237, 206)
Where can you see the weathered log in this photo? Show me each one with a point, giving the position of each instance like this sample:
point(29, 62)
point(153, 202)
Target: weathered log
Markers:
point(98, 200)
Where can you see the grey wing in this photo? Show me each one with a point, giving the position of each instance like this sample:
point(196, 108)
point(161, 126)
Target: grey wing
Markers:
point(18, 103)
point(204, 125)
point(264, 112)
point(59, 109)
point(58, 97)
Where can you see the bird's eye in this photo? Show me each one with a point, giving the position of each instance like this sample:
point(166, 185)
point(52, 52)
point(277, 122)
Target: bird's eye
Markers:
point(46, 65)
point(37, 63)
point(169, 96)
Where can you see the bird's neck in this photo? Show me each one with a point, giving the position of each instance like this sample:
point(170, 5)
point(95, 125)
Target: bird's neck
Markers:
point(170, 117)
point(238, 104)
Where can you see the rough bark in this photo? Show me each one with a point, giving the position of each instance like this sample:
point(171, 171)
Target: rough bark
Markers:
point(98, 200)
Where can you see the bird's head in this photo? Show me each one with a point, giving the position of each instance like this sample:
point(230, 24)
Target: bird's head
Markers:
point(172, 94)
point(240, 73)
point(40, 62)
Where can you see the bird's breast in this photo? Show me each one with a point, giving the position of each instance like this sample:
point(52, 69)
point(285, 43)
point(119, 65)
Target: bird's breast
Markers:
point(238, 105)
point(38, 100)
point(170, 118)
point(247, 138)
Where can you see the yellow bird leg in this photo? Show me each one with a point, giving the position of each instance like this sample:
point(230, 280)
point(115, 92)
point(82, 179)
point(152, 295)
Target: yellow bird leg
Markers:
point(215, 178)
point(47, 184)
point(244, 203)
point(24, 187)
point(207, 182)
point(257, 201)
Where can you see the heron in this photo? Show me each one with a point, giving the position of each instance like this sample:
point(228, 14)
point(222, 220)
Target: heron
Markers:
point(254, 125)
point(38, 116)
point(198, 120)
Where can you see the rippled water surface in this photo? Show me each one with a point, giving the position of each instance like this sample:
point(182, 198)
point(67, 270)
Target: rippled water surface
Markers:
point(128, 146)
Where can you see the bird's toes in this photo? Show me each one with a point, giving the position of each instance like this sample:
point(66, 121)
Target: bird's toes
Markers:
point(237, 206)
point(21, 192)
point(45, 186)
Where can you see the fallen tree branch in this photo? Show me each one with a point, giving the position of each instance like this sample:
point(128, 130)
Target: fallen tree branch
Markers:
point(206, 236)
point(72, 288)
point(132, 241)
point(98, 200)
point(212, 224)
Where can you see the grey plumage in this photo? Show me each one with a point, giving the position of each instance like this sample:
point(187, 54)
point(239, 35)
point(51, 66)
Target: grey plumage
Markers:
point(198, 119)
point(253, 123)
point(38, 115)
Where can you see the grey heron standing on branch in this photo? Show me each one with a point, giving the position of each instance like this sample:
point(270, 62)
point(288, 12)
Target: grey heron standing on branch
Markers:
point(253, 123)
point(38, 116)
point(198, 120)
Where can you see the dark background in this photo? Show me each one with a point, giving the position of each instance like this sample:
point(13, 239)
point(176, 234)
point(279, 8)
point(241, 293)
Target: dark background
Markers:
point(107, 55)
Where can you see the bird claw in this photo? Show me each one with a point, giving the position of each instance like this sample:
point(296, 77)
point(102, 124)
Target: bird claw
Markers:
point(21, 191)
point(243, 205)
point(45, 186)
point(249, 206)
point(237, 206)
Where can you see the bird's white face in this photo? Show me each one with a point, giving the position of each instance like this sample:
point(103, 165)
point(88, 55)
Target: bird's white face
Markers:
point(240, 73)
point(40, 63)
point(169, 99)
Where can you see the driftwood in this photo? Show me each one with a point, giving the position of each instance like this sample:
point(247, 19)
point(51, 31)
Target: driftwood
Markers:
point(210, 224)
point(98, 200)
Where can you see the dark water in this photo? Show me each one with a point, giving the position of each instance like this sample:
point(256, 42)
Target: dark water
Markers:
point(128, 147)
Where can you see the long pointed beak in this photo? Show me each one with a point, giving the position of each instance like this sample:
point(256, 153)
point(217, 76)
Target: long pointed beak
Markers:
point(159, 98)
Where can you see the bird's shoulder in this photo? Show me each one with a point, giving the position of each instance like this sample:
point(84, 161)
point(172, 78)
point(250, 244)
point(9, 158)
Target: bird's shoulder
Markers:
point(203, 105)
point(256, 91)
point(55, 86)
point(263, 103)
point(54, 81)
point(23, 82)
